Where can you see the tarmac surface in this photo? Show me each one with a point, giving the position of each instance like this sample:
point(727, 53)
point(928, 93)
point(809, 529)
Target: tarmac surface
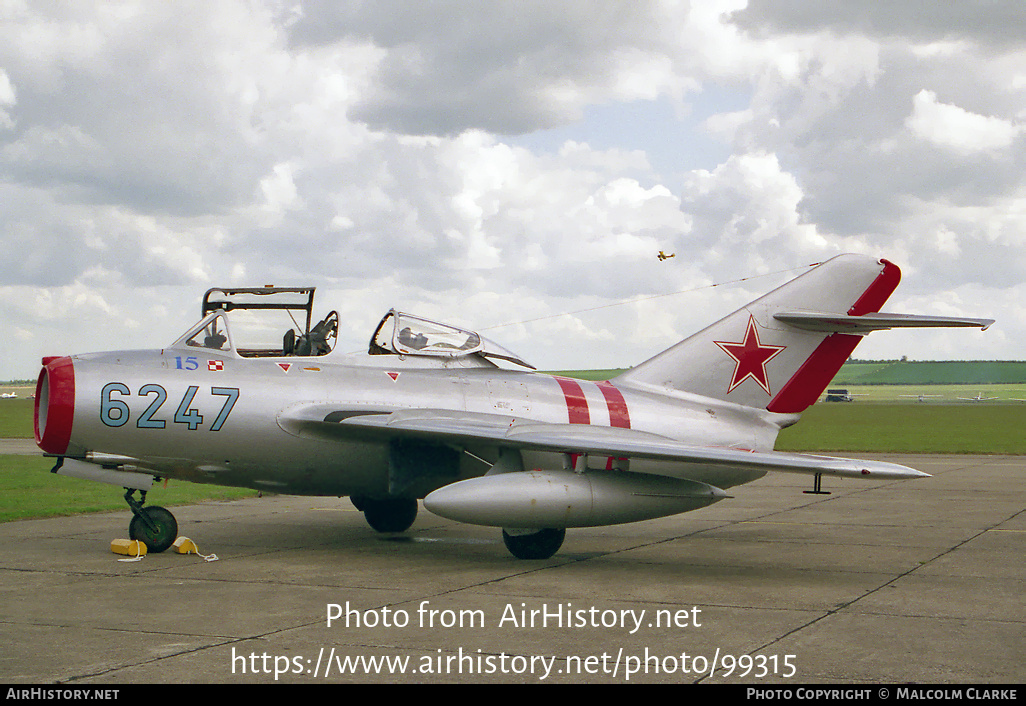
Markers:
point(902, 582)
point(19, 447)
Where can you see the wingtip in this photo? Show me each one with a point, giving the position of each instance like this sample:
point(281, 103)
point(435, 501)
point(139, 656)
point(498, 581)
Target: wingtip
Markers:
point(893, 471)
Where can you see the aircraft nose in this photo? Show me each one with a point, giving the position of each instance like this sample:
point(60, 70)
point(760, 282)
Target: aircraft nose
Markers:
point(55, 404)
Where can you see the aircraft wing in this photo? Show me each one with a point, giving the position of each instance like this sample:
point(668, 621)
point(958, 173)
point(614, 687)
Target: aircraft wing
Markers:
point(463, 428)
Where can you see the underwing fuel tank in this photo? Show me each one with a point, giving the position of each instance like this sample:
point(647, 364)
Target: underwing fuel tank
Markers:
point(560, 499)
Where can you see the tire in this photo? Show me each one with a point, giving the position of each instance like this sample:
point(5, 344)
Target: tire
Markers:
point(165, 534)
point(538, 545)
point(394, 515)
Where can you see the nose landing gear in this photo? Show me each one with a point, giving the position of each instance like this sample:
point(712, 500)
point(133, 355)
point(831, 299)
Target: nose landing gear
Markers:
point(155, 526)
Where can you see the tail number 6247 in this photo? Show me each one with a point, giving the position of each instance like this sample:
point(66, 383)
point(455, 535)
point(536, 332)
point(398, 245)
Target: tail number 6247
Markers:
point(115, 411)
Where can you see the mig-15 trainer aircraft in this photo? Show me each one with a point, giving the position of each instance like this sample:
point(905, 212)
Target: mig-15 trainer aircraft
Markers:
point(434, 412)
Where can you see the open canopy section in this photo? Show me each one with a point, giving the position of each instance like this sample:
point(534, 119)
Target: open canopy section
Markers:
point(265, 322)
point(405, 334)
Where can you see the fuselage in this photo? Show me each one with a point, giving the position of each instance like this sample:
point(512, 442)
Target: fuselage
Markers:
point(212, 417)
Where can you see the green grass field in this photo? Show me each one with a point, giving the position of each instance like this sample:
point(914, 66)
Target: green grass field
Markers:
point(16, 419)
point(930, 372)
point(1011, 394)
point(28, 490)
point(969, 428)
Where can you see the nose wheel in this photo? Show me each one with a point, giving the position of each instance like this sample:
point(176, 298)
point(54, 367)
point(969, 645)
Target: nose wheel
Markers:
point(154, 526)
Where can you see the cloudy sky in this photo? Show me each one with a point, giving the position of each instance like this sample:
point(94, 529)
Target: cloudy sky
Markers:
point(493, 163)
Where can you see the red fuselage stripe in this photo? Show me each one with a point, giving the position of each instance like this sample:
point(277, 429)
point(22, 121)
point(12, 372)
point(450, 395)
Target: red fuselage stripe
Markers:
point(618, 414)
point(576, 404)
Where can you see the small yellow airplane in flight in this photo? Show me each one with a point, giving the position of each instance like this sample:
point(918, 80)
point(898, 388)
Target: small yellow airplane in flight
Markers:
point(663, 256)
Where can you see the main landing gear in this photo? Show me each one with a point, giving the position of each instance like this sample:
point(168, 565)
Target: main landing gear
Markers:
point(154, 526)
point(389, 515)
point(398, 515)
point(536, 544)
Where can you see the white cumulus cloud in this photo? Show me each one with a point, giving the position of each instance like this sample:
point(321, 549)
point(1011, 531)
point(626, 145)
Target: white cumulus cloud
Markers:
point(956, 128)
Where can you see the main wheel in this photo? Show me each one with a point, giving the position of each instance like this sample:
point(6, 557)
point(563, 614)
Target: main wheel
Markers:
point(537, 545)
point(392, 515)
point(160, 538)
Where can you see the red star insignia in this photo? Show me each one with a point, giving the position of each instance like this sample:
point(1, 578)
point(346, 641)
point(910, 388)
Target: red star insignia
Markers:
point(750, 357)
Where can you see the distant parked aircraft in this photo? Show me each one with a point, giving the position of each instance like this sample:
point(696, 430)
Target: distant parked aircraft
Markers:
point(920, 398)
point(8, 396)
point(979, 398)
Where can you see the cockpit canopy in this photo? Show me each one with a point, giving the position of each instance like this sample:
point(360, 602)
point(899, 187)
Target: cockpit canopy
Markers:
point(212, 333)
point(405, 334)
point(263, 323)
point(209, 334)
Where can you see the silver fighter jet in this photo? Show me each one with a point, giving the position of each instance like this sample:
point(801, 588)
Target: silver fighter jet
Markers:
point(434, 412)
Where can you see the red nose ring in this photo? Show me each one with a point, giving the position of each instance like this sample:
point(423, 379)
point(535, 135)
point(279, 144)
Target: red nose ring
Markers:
point(55, 404)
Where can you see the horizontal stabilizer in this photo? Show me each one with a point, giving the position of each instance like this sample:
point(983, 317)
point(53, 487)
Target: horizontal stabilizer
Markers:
point(844, 323)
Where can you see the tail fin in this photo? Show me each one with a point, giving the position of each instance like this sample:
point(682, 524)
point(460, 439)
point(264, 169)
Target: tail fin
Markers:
point(781, 351)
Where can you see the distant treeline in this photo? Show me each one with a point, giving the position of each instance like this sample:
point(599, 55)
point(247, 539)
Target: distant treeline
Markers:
point(931, 372)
